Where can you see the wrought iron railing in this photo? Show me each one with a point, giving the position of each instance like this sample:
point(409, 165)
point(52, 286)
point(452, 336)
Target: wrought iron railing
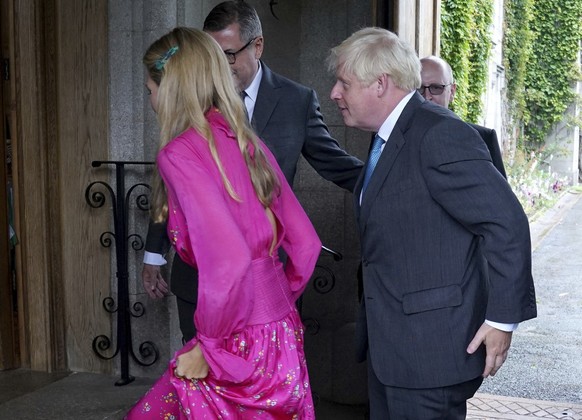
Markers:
point(323, 282)
point(148, 353)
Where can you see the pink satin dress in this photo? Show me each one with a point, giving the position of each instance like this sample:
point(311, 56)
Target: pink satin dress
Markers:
point(248, 327)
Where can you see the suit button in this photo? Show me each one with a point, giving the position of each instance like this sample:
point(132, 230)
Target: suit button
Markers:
point(365, 263)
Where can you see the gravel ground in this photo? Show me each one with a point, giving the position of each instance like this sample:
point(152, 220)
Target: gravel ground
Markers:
point(545, 360)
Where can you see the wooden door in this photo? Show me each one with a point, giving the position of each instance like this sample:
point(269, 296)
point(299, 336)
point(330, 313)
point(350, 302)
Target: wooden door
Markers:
point(417, 22)
point(8, 316)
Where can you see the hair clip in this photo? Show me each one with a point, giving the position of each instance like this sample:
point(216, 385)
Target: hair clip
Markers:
point(162, 61)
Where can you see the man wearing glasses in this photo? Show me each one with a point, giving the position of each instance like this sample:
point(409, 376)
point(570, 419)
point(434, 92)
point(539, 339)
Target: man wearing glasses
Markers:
point(284, 114)
point(439, 87)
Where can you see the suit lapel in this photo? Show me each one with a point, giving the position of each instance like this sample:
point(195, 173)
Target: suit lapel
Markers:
point(358, 190)
point(387, 158)
point(267, 99)
point(393, 147)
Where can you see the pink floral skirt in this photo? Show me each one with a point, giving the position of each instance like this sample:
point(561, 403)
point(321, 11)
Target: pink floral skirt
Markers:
point(278, 388)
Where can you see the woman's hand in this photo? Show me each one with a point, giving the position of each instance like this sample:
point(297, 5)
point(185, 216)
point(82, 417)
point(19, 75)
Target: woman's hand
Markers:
point(191, 365)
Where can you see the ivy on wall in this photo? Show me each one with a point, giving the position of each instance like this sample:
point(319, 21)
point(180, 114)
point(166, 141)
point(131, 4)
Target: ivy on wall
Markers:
point(552, 67)
point(480, 48)
point(465, 45)
point(540, 54)
point(517, 49)
point(455, 35)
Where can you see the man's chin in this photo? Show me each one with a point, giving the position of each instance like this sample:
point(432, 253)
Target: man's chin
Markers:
point(237, 83)
point(347, 120)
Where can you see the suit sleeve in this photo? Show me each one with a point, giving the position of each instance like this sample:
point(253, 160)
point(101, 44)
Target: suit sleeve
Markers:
point(495, 151)
point(489, 136)
point(324, 153)
point(462, 180)
point(157, 241)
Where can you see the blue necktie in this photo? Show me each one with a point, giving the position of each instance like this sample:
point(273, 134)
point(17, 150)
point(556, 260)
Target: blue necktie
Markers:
point(373, 159)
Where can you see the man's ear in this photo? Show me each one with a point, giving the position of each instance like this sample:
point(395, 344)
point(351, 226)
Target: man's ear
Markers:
point(453, 90)
point(382, 82)
point(259, 44)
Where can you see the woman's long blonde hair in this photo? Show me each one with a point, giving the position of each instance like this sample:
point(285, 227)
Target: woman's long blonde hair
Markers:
point(191, 79)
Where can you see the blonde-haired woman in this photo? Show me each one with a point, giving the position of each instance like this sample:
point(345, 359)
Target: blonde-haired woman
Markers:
point(229, 209)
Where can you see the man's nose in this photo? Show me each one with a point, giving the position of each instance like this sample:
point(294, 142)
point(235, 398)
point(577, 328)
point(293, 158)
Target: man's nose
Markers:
point(334, 94)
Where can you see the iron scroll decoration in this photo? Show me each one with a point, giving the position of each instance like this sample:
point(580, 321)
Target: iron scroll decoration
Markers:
point(323, 282)
point(272, 4)
point(95, 197)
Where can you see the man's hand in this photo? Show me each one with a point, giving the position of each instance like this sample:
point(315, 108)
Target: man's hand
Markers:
point(191, 365)
point(497, 344)
point(153, 282)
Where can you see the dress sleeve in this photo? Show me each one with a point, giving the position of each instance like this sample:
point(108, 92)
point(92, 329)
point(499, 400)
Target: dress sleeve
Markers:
point(298, 236)
point(222, 255)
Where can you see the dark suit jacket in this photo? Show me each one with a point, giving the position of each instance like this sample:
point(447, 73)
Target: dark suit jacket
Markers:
point(288, 119)
point(489, 136)
point(432, 197)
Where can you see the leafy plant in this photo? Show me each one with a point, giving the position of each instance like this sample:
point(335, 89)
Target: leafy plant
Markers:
point(540, 54)
point(517, 50)
point(479, 52)
point(552, 66)
point(465, 45)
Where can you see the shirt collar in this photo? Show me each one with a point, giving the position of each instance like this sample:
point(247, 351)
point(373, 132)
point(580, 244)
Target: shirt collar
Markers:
point(253, 89)
point(388, 125)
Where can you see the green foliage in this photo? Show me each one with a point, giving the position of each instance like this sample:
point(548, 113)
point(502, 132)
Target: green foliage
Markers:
point(480, 48)
point(455, 35)
point(517, 49)
point(552, 67)
point(540, 52)
point(465, 45)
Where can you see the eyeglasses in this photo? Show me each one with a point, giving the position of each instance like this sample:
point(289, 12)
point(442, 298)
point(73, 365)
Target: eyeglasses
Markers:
point(433, 89)
point(231, 56)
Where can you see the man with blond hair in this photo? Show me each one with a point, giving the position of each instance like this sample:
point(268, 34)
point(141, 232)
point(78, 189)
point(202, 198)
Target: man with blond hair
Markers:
point(432, 324)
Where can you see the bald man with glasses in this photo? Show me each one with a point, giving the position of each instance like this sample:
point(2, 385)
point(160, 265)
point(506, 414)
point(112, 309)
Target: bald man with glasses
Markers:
point(438, 86)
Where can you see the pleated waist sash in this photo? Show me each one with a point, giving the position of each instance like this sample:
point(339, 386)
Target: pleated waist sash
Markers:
point(273, 298)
